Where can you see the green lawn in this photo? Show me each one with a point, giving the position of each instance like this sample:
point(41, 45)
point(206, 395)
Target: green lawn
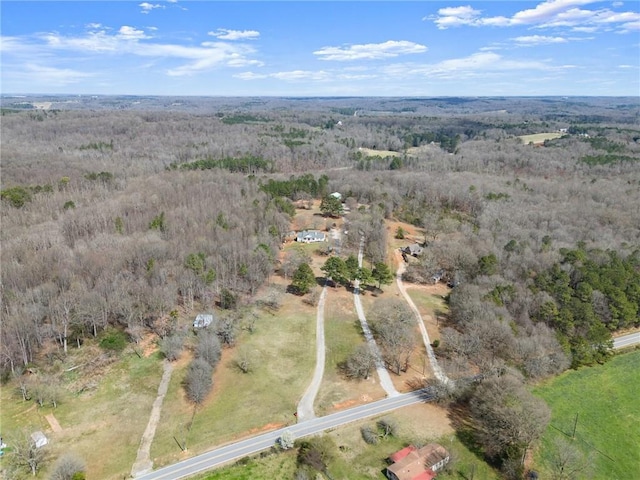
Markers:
point(110, 415)
point(605, 400)
point(342, 336)
point(427, 302)
point(282, 349)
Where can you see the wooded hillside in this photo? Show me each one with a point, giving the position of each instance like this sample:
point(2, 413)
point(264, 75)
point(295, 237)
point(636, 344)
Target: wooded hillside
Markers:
point(104, 210)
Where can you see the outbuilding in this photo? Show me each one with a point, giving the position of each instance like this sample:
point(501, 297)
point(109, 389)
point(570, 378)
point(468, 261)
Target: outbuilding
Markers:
point(203, 320)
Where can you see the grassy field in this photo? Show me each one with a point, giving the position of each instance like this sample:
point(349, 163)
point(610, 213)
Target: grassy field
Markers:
point(282, 352)
point(94, 417)
point(605, 399)
point(539, 137)
point(370, 152)
point(342, 335)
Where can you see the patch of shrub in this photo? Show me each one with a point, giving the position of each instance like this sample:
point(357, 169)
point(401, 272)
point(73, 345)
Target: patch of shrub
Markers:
point(114, 340)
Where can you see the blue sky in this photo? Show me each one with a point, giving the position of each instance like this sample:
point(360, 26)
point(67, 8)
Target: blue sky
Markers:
point(328, 48)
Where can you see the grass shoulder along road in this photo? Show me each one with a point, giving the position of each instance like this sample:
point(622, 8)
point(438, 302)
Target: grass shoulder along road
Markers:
point(601, 403)
point(354, 459)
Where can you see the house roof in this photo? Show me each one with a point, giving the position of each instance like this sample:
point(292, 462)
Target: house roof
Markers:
point(400, 454)
point(434, 453)
point(411, 463)
point(203, 320)
point(39, 439)
point(311, 234)
point(413, 249)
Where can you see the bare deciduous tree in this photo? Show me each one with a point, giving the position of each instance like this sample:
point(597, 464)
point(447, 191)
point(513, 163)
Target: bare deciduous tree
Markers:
point(68, 467)
point(171, 346)
point(567, 461)
point(199, 380)
point(360, 363)
point(25, 454)
point(208, 347)
point(509, 418)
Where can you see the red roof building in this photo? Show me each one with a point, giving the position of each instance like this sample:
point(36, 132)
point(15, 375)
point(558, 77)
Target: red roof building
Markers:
point(412, 463)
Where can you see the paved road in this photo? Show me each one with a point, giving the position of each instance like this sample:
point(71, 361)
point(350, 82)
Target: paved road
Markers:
point(626, 340)
point(229, 453)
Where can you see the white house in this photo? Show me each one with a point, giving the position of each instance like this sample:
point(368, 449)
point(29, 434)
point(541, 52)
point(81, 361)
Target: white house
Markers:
point(311, 236)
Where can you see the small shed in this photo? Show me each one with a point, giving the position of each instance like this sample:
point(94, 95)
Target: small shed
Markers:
point(39, 439)
point(203, 320)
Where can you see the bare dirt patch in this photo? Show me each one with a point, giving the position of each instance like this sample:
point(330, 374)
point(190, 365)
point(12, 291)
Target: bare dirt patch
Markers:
point(265, 428)
point(53, 423)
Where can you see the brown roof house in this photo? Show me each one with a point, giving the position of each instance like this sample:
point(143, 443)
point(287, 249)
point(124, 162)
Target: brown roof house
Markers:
point(412, 463)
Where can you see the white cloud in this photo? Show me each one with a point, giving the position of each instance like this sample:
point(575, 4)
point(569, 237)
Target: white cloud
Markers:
point(225, 34)
point(455, 16)
point(289, 76)
point(148, 7)
point(131, 41)
point(131, 33)
point(371, 51)
point(547, 14)
point(532, 40)
point(584, 29)
point(478, 65)
point(55, 76)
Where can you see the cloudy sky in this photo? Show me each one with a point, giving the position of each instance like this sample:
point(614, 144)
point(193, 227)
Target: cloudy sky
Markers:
point(325, 48)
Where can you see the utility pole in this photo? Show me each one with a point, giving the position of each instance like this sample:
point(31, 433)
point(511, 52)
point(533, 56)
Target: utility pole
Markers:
point(575, 424)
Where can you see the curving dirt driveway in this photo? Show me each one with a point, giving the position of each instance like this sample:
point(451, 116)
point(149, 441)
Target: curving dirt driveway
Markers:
point(383, 374)
point(305, 406)
point(437, 371)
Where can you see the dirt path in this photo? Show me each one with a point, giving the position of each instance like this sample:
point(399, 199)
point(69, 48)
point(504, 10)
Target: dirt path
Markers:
point(53, 423)
point(437, 371)
point(383, 374)
point(305, 407)
point(143, 463)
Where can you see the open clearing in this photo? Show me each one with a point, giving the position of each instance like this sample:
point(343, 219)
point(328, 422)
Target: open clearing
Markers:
point(539, 137)
point(92, 421)
point(605, 400)
point(371, 152)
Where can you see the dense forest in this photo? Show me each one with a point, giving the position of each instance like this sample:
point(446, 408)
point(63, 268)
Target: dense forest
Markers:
point(117, 211)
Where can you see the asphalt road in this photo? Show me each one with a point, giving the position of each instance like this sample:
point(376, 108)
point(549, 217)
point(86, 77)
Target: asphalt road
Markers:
point(237, 450)
point(626, 340)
